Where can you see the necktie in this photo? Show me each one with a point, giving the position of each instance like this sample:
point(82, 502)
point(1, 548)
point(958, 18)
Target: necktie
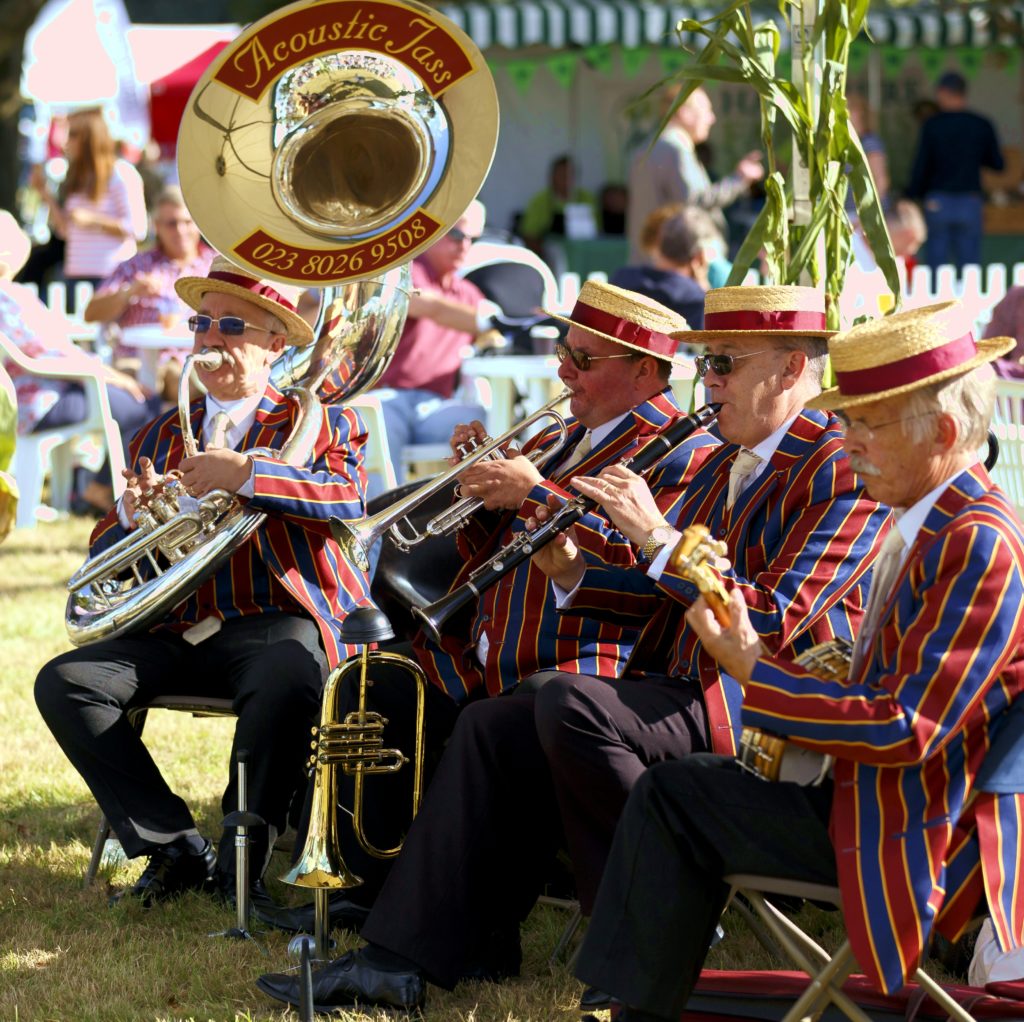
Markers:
point(883, 574)
point(219, 426)
point(745, 463)
point(579, 452)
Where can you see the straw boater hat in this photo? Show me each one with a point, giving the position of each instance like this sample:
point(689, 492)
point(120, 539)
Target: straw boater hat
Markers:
point(759, 310)
point(627, 318)
point(899, 353)
point(227, 278)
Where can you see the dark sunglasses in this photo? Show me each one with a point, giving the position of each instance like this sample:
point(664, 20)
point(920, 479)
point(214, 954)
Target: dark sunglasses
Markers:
point(581, 359)
point(229, 326)
point(721, 365)
point(459, 236)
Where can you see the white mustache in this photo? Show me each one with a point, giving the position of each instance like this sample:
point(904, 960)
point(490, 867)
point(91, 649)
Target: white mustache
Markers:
point(863, 467)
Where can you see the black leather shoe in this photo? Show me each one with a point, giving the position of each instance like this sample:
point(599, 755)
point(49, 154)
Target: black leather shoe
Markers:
point(171, 872)
point(594, 999)
point(349, 980)
point(345, 915)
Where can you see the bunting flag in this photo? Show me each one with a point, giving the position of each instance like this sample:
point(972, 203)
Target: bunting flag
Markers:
point(969, 60)
point(599, 58)
point(932, 61)
point(1009, 58)
point(858, 57)
point(634, 58)
point(521, 72)
point(673, 60)
point(893, 59)
point(563, 67)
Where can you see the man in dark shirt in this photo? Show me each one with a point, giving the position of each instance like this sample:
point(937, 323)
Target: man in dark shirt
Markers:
point(678, 276)
point(953, 147)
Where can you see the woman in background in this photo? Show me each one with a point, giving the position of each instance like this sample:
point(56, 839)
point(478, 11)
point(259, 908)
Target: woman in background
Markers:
point(100, 210)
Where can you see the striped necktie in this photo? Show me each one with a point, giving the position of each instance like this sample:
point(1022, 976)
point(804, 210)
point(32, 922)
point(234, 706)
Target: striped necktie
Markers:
point(744, 464)
point(219, 426)
point(883, 574)
point(579, 452)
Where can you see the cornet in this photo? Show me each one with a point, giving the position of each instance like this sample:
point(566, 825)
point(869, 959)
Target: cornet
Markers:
point(357, 537)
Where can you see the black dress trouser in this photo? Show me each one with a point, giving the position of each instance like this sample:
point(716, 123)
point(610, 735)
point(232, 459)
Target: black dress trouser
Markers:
point(686, 825)
point(272, 668)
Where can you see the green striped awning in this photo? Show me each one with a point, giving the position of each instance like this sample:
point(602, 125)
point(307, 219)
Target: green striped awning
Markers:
point(561, 24)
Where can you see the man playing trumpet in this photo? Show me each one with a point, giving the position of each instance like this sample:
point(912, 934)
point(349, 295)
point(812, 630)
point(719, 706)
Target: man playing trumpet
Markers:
point(262, 631)
point(903, 827)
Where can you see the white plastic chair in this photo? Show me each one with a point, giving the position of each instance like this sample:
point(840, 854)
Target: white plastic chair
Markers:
point(52, 451)
point(1008, 426)
point(377, 454)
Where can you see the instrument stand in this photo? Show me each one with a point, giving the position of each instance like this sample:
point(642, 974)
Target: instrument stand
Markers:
point(241, 820)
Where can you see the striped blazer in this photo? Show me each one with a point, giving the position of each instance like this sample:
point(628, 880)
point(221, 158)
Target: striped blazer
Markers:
point(525, 633)
point(917, 843)
point(801, 539)
point(291, 563)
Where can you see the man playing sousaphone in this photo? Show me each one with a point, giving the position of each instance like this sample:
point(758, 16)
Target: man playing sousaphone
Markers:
point(262, 631)
point(903, 827)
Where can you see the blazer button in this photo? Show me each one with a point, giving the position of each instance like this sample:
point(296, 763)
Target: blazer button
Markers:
point(721, 532)
point(485, 617)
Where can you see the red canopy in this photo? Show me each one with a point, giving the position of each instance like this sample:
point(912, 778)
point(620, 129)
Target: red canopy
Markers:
point(169, 97)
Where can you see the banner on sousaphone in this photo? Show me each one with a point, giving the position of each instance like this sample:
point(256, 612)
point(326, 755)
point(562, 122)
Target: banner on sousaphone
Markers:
point(351, 111)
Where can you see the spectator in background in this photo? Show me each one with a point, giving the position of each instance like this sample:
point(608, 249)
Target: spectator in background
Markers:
point(677, 276)
point(1008, 321)
point(141, 289)
point(45, 403)
point(672, 172)
point(952, 148)
point(874, 149)
point(446, 314)
point(613, 202)
point(102, 213)
point(545, 212)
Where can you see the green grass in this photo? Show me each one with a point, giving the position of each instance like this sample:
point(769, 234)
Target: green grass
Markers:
point(64, 955)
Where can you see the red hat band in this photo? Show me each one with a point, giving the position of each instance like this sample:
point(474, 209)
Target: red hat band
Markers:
point(256, 287)
point(778, 319)
point(853, 383)
point(623, 330)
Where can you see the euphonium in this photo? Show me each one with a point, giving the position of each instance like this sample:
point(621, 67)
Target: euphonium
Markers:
point(357, 537)
point(321, 148)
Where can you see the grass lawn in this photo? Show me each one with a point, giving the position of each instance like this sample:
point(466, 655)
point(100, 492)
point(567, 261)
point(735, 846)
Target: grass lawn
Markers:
point(65, 956)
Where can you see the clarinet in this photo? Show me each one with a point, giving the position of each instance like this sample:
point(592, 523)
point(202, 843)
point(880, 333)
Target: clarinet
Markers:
point(432, 616)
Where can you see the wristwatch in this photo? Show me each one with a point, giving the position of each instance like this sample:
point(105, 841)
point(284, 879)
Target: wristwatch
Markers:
point(656, 539)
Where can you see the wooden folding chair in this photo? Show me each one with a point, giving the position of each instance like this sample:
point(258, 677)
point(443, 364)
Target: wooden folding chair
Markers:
point(826, 972)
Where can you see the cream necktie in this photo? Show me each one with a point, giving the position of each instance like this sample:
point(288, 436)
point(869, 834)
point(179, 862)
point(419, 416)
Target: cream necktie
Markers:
point(219, 426)
point(743, 465)
point(883, 574)
point(579, 452)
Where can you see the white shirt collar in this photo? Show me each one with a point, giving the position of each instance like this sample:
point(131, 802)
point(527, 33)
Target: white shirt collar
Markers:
point(766, 449)
point(242, 414)
point(909, 521)
point(599, 434)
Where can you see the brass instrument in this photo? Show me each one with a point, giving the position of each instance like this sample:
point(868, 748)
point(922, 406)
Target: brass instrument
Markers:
point(357, 537)
point(766, 755)
point(434, 615)
point(313, 158)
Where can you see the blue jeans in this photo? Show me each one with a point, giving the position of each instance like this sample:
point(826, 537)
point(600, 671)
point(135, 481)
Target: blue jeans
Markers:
point(954, 228)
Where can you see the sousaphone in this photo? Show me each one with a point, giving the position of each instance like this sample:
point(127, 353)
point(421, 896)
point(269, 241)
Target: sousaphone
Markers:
point(327, 146)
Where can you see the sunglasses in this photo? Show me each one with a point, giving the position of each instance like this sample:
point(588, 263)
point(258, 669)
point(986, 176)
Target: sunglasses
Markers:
point(229, 326)
point(459, 236)
point(581, 359)
point(721, 365)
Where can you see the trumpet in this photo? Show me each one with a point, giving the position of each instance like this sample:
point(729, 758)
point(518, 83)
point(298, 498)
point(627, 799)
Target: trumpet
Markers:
point(358, 536)
point(526, 544)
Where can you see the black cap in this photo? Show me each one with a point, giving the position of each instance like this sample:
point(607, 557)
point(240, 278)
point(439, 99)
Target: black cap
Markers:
point(953, 81)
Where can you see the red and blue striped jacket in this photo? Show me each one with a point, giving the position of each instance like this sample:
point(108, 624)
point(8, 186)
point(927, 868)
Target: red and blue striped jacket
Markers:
point(525, 632)
point(801, 539)
point(291, 563)
point(916, 843)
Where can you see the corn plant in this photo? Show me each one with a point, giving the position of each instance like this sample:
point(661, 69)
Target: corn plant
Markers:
point(813, 119)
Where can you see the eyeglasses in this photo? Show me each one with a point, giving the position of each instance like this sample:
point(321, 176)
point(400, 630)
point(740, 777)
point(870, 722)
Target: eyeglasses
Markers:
point(229, 326)
point(184, 221)
point(581, 359)
point(866, 432)
point(721, 365)
point(459, 236)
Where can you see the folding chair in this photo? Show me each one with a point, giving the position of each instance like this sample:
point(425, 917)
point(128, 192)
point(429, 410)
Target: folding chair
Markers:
point(826, 972)
point(198, 706)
